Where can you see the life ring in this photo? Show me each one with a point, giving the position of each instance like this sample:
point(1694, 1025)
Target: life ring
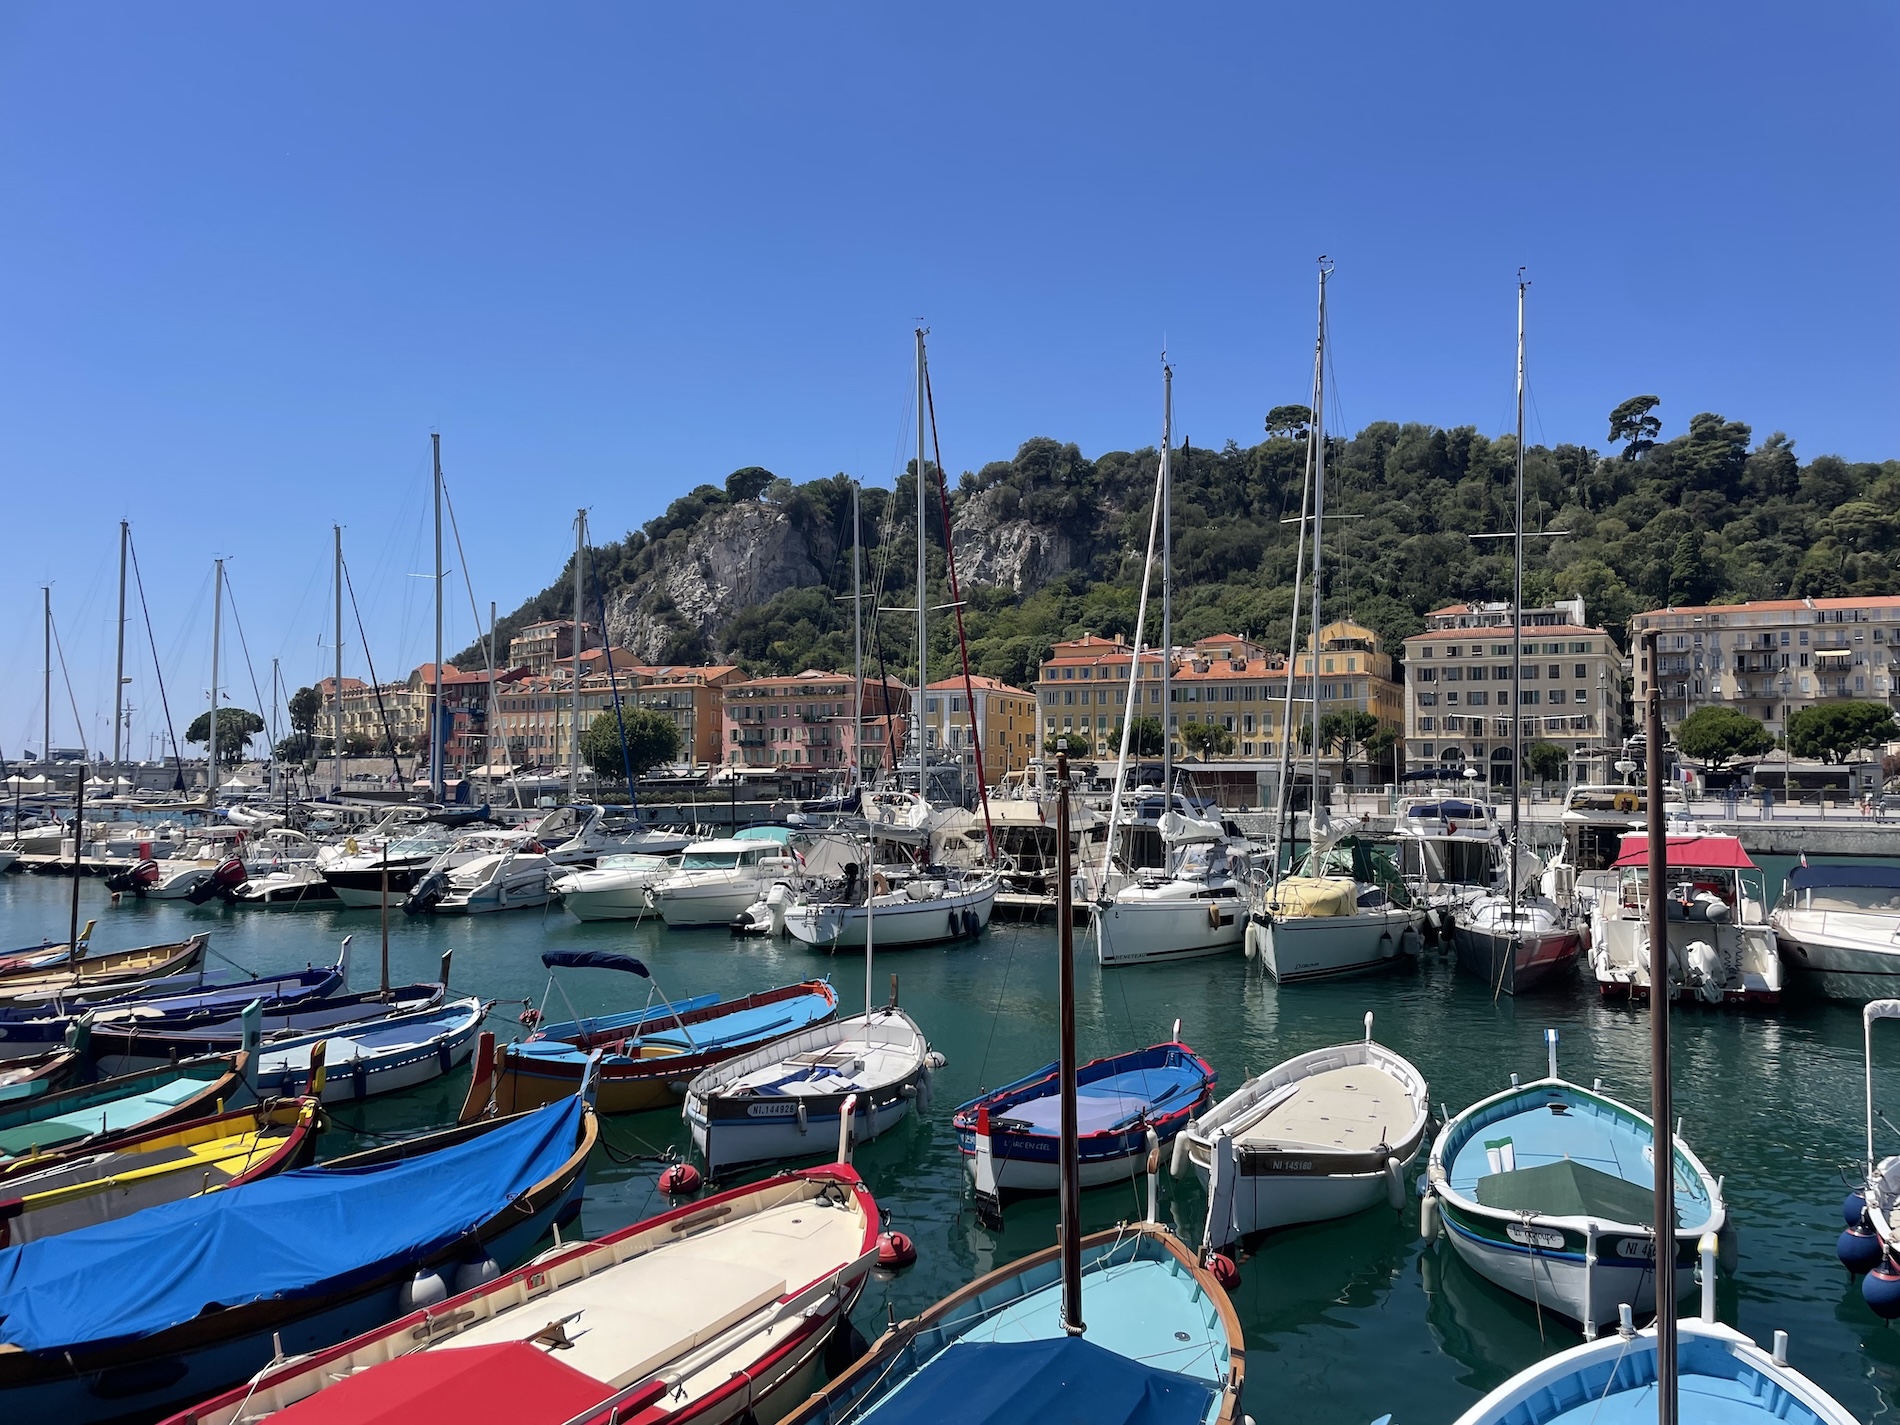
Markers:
point(1624, 801)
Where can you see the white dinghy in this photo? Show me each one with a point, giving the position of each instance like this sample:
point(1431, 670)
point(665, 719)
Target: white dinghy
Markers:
point(1328, 1133)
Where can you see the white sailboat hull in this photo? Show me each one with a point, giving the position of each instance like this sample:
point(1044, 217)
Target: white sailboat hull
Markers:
point(899, 922)
point(1148, 932)
point(1301, 948)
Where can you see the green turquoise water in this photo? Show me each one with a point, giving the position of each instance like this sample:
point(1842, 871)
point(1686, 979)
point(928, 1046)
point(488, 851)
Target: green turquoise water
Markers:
point(1344, 1322)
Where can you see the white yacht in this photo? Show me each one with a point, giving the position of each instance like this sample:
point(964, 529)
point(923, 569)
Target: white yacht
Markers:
point(1839, 929)
point(1721, 945)
point(1448, 841)
point(717, 880)
point(616, 888)
point(1191, 909)
point(924, 910)
point(1343, 911)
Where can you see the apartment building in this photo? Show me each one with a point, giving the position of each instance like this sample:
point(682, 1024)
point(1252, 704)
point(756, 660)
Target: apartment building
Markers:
point(540, 647)
point(1458, 709)
point(1771, 658)
point(1230, 681)
point(1004, 721)
point(693, 697)
point(804, 723)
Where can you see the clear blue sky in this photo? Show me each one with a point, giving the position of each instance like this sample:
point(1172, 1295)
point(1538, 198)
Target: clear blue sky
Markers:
point(251, 255)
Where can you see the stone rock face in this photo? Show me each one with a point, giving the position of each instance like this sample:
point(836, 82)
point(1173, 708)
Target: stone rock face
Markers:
point(741, 556)
point(1015, 554)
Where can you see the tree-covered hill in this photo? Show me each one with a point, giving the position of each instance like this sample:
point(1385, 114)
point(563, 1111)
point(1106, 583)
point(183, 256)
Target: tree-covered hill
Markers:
point(1049, 542)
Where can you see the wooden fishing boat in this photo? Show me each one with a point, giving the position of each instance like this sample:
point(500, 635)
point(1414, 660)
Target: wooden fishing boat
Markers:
point(47, 1072)
point(1010, 1138)
point(1544, 1190)
point(208, 1290)
point(122, 1048)
point(45, 953)
point(718, 1310)
point(155, 1009)
point(646, 1065)
point(29, 975)
point(50, 1193)
point(360, 1061)
point(1328, 1133)
point(96, 1114)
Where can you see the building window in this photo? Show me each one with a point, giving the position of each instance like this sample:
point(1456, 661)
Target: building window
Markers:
point(1425, 751)
point(1428, 700)
point(1425, 725)
point(1527, 696)
point(1428, 675)
point(1451, 699)
point(1475, 699)
point(1557, 695)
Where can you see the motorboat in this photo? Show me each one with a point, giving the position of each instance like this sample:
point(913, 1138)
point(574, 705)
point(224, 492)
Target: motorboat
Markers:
point(1326, 1134)
point(515, 879)
point(717, 880)
point(1127, 1105)
point(297, 887)
point(616, 888)
point(1546, 1189)
point(1192, 909)
point(715, 1311)
point(1516, 944)
point(1448, 848)
point(1721, 945)
point(926, 909)
point(356, 877)
point(1344, 910)
point(1838, 926)
point(233, 1280)
point(1598, 815)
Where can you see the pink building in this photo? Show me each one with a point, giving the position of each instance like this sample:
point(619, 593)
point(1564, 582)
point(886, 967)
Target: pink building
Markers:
point(803, 723)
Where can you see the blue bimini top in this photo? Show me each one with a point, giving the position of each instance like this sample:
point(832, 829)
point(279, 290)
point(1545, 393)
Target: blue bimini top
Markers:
point(302, 1233)
point(1066, 1378)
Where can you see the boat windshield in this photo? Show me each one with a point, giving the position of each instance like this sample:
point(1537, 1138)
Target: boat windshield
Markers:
point(710, 860)
point(1877, 900)
point(632, 861)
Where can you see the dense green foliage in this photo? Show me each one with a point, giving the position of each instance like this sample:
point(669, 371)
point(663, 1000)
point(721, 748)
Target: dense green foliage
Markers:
point(1205, 739)
point(1545, 761)
point(652, 738)
point(236, 727)
point(1708, 516)
point(1835, 731)
point(1714, 735)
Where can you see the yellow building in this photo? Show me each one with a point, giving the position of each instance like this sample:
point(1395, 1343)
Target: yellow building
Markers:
point(1005, 721)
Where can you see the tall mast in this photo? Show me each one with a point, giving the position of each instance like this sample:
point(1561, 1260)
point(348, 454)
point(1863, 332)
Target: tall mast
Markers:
point(118, 671)
point(923, 570)
point(857, 651)
point(1517, 617)
point(436, 740)
point(273, 727)
point(1319, 520)
point(494, 720)
point(574, 736)
point(336, 707)
point(1070, 1166)
point(1167, 586)
point(46, 691)
point(217, 637)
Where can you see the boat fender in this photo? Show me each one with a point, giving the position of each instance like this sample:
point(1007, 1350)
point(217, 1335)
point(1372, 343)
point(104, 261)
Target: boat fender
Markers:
point(680, 1180)
point(923, 1092)
point(1395, 1184)
point(1858, 1249)
point(424, 1289)
point(1213, 916)
point(1177, 1164)
point(444, 1056)
point(1387, 946)
point(1247, 940)
point(804, 1118)
point(934, 1060)
point(1881, 1288)
point(1224, 1270)
point(895, 1251)
point(1854, 1209)
point(1428, 1218)
point(908, 1091)
point(1411, 943)
point(1728, 1248)
point(359, 1080)
point(953, 923)
point(479, 1272)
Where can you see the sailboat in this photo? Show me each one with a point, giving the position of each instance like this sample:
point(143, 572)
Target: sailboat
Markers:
point(1630, 1374)
point(1345, 909)
point(1514, 937)
point(1158, 1341)
point(938, 903)
point(1193, 906)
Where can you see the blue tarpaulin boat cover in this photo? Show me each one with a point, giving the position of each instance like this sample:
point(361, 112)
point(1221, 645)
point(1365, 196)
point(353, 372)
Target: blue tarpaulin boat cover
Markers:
point(591, 960)
point(301, 1233)
point(1051, 1382)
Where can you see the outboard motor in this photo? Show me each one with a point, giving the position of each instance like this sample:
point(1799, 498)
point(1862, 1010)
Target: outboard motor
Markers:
point(229, 875)
point(430, 889)
point(137, 879)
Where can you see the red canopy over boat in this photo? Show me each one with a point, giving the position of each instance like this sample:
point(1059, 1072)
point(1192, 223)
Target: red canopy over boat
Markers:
point(1686, 852)
point(512, 1383)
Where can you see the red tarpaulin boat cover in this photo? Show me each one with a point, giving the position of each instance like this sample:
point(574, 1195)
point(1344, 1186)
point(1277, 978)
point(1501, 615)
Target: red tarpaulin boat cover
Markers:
point(513, 1383)
point(1685, 852)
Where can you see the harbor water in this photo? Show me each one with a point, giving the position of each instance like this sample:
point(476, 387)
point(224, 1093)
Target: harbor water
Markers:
point(1344, 1322)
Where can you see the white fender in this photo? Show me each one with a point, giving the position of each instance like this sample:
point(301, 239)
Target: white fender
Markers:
point(1428, 1218)
point(1223, 1171)
point(1178, 1163)
point(804, 1119)
point(1395, 1184)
